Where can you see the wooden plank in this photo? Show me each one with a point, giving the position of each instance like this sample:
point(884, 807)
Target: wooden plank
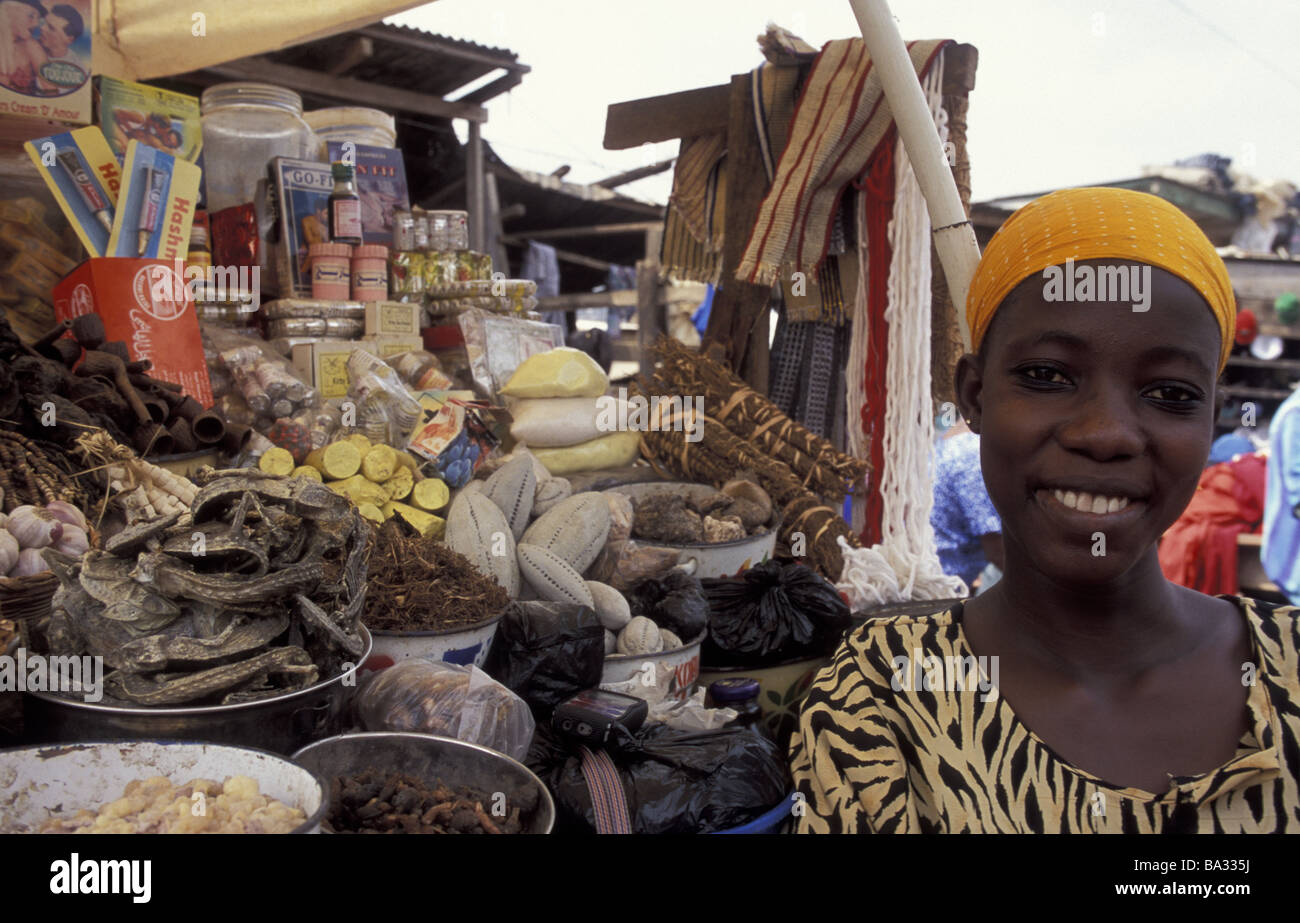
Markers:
point(589, 230)
point(359, 48)
point(738, 306)
point(662, 118)
point(477, 194)
point(579, 259)
point(624, 298)
point(346, 90)
point(631, 176)
point(503, 84)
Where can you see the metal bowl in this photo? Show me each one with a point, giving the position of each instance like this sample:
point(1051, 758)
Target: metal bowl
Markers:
point(431, 758)
point(280, 724)
point(37, 783)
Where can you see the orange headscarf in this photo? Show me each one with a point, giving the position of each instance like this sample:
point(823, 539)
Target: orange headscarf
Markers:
point(1099, 223)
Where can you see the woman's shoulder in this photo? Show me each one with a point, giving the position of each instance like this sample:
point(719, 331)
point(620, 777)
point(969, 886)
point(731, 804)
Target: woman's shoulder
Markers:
point(872, 651)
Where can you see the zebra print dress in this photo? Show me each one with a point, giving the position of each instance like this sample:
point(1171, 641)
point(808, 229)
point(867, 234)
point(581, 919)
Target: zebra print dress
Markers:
point(883, 748)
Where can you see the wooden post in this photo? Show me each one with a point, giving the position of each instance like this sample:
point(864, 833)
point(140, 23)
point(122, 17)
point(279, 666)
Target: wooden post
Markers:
point(495, 246)
point(650, 320)
point(474, 193)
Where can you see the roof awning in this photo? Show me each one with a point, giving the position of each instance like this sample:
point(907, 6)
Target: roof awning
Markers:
point(143, 39)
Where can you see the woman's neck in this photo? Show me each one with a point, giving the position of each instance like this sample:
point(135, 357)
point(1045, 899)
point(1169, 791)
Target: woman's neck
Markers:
point(1114, 630)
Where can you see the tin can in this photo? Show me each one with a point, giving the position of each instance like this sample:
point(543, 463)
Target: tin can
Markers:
point(457, 230)
point(403, 230)
point(421, 229)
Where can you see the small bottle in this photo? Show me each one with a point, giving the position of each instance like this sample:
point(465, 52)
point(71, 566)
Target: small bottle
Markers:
point(741, 694)
point(345, 206)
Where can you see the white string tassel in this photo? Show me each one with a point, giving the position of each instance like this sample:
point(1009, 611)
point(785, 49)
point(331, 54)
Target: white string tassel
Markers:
point(905, 565)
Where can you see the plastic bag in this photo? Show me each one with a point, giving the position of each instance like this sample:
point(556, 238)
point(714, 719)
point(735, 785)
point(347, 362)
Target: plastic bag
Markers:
point(674, 601)
point(674, 781)
point(547, 652)
point(450, 700)
point(772, 612)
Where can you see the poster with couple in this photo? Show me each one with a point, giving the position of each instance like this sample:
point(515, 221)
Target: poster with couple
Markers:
point(45, 58)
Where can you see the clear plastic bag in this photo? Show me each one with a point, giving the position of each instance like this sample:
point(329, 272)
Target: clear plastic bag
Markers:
point(450, 700)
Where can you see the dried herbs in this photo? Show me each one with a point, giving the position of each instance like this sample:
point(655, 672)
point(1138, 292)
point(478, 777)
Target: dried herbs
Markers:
point(375, 801)
point(419, 584)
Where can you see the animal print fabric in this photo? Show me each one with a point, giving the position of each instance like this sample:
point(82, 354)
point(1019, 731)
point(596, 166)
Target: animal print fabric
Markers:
point(869, 758)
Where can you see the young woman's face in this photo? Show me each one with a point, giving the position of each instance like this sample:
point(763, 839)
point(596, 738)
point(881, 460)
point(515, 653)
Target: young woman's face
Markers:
point(1095, 422)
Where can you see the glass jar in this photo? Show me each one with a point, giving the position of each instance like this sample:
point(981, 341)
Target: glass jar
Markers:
point(244, 126)
point(739, 693)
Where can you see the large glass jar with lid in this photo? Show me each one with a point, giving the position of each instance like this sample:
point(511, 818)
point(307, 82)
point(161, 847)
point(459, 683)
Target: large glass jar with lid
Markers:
point(244, 126)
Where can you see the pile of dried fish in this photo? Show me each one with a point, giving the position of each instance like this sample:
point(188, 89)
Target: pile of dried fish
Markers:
point(256, 591)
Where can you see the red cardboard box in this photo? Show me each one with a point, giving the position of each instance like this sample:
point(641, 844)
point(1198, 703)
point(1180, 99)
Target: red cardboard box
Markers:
point(146, 304)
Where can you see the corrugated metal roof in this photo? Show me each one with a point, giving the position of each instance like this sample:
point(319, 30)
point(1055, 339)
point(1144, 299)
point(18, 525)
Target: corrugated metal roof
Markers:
point(425, 33)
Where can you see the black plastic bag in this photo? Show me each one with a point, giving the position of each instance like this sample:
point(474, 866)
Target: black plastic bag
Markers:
point(772, 613)
point(674, 601)
point(546, 652)
point(674, 781)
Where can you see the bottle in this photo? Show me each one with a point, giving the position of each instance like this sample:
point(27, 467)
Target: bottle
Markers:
point(345, 206)
point(741, 694)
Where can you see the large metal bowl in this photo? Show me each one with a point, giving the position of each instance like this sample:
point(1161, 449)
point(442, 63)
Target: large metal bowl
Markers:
point(280, 724)
point(432, 758)
point(37, 783)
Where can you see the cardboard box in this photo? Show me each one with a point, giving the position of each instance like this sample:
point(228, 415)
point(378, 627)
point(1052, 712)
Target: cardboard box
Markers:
point(381, 184)
point(83, 175)
point(158, 118)
point(50, 78)
point(392, 318)
point(302, 194)
point(146, 304)
point(324, 363)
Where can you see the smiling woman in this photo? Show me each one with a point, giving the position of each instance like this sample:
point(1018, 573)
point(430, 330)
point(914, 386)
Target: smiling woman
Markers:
point(1123, 702)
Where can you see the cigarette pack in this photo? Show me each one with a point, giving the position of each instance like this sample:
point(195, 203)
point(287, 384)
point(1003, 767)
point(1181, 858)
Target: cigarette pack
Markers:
point(324, 363)
point(19, 238)
point(155, 209)
point(147, 304)
point(82, 173)
point(302, 194)
point(157, 118)
point(46, 61)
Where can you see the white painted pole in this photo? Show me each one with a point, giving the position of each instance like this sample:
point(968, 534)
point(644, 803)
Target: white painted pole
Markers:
point(954, 238)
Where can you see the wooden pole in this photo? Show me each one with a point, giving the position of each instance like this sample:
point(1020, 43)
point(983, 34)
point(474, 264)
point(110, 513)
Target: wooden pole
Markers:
point(954, 237)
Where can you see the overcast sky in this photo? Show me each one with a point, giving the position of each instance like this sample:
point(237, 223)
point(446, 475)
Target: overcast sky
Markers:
point(1067, 91)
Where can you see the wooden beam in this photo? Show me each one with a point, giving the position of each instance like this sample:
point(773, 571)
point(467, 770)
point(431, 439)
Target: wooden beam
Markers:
point(579, 260)
point(624, 298)
point(502, 84)
point(477, 190)
point(359, 48)
point(631, 176)
point(345, 89)
point(589, 230)
point(662, 118)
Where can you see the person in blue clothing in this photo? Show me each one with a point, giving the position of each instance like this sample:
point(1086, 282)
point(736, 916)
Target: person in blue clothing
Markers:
point(967, 529)
point(1280, 553)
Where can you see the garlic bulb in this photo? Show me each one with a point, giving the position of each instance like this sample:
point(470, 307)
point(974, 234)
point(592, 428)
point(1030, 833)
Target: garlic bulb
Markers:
point(29, 562)
point(8, 552)
point(66, 513)
point(74, 542)
point(33, 527)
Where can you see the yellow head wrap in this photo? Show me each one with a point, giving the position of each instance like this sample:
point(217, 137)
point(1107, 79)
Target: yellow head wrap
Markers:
point(1099, 223)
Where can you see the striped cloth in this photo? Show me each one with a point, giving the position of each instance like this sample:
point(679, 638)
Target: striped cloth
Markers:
point(840, 118)
point(693, 228)
point(608, 801)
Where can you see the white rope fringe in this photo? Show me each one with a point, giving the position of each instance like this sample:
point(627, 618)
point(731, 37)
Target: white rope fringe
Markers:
point(905, 565)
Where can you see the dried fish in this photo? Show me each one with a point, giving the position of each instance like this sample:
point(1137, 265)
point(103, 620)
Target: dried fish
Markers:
point(178, 688)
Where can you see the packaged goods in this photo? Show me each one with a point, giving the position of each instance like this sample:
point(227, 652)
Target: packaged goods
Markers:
point(560, 372)
point(406, 274)
point(49, 75)
point(80, 170)
point(245, 126)
point(610, 451)
point(392, 318)
point(497, 345)
point(381, 182)
point(330, 268)
point(370, 277)
point(563, 421)
point(302, 191)
point(159, 118)
point(234, 236)
point(155, 208)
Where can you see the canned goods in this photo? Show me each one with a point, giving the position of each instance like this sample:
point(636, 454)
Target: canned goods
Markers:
point(421, 229)
point(403, 230)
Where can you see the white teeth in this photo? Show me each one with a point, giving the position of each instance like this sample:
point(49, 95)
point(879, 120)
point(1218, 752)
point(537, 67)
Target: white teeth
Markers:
point(1090, 503)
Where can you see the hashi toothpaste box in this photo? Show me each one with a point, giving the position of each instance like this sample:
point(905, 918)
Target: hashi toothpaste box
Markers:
point(82, 173)
point(147, 305)
point(155, 208)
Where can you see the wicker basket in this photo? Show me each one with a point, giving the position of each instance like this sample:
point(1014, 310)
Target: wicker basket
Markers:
point(26, 601)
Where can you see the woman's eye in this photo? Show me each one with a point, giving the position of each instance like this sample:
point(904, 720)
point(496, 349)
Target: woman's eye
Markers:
point(1173, 394)
point(1044, 374)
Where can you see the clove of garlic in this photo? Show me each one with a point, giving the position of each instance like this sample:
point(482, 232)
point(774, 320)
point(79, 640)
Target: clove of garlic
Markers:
point(74, 542)
point(34, 528)
point(67, 513)
point(8, 552)
point(29, 563)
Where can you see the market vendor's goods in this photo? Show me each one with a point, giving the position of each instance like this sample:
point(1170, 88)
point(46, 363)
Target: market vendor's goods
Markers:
point(560, 372)
point(551, 576)
point(424, 523)
point(477, 528)
point(610, 605)
point(336, 461)
point(555, 422)
point(574, 529)
point(613, 450)
point(640, 636)
point(512, 488)
point(382, 801)
point(430, 495)
point(155, 805)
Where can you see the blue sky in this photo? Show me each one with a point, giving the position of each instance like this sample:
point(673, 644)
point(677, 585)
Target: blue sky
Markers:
point(1067, 92)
